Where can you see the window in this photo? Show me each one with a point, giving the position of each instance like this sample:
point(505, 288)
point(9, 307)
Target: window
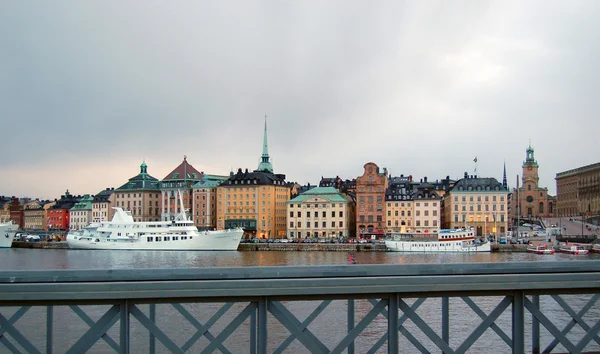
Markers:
point(333, 224)
point(291, 224)
point(333, 213)
point(307, 224)
point(323, 224)
point(341, 214)
point(324, 214)
point(308, 214)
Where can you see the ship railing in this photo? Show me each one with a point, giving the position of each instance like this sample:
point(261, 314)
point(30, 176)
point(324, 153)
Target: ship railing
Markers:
point(452, 308)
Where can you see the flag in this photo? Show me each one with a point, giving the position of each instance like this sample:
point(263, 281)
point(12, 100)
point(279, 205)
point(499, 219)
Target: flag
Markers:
point(475, 159)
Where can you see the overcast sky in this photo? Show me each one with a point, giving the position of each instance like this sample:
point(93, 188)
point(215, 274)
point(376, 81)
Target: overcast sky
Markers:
point(90, 89)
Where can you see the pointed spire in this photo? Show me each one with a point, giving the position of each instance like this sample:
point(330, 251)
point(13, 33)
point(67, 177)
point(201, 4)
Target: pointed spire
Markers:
point(504, 183)
point(265, 164)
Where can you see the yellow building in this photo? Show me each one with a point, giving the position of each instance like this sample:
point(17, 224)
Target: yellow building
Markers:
point(254, 200)
point(204, 210)
point(480, 203)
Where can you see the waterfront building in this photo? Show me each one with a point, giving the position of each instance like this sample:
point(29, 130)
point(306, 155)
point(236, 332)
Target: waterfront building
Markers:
point(102, 205)
point(33, 215)
point(477, 202)
point(80, 214)
point(426, 208)
point(344, 186)
point(578, 191)
point(140, 195)
point(16, 208)
point(5, 208)
point(399, 205)
point(370, 201)
point(204, 198)
point(58, 216)
point(179, 182)
point(47, 207)
point(320, 212)
point(530, 200)
point(254, 200)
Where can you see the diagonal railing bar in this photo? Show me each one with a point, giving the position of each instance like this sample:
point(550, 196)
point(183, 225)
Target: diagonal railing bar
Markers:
point(576, 317)
point(591, 302)
point(21, 340)
point(313, 315)
point(9, 345)
point(96, 331)
point(91, 322)
point(15, 317)
point(418, 321)
point(401, 328)
point(483, 316)
point(589, 335)
point(483, 326)
point(231, 327)
point(202, 330)
point(369, 317)
point(154, 329)
point(549, 326)
point(289, 321)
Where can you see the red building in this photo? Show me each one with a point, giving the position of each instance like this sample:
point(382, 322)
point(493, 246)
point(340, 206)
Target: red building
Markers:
point(16, 213)
point(370, 201)
point(57, 218)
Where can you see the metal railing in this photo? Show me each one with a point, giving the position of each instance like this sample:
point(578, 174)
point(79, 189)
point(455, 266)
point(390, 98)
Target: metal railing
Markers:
point(269, 309)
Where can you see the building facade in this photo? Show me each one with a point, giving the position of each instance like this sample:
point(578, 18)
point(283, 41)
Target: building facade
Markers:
point(102, 205)
point(58, 216)
point(81, 213)
point(578, 191)
point(140, 195)
point(204, 197)
point(481, 203)
point(426, 208)
point(399, 205)
point(177, 190)
point(320, 212)
point(33, 215)
point(370, 201)
point(530, 200)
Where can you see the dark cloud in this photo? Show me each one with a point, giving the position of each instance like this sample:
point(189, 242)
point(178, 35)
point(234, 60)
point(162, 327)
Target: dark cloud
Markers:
point(421, 88)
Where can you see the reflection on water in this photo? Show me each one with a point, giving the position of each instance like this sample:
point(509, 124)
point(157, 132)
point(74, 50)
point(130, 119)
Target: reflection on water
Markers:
point(329, 327)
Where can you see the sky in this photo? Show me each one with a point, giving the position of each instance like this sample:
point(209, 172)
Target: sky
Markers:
point(90, 89)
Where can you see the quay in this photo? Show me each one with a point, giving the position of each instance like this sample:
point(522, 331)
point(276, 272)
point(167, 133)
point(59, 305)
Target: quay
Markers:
point(376, 308)
point(292, 247)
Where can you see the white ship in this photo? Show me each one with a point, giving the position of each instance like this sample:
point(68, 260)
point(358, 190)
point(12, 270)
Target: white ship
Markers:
point(7, 233)
point(450, 240)
point(122, 233)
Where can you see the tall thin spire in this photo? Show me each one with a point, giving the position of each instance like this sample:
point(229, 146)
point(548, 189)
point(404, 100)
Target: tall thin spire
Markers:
point(265, 164)
point(504, 183)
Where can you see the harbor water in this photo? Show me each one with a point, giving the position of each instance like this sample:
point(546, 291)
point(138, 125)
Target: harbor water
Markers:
point(329, 327)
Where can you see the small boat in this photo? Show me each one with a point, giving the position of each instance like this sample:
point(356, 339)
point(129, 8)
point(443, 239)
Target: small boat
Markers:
point(540, 249)
point(596, 248)
point(573, 248)
point(447, 240)
point(7, 233)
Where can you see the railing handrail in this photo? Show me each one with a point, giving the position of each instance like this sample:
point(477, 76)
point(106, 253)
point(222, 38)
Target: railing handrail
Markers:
point(294, 272)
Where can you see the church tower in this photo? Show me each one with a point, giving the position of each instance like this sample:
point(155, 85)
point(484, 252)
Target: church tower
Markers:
point(265, 164)
point(530, 171)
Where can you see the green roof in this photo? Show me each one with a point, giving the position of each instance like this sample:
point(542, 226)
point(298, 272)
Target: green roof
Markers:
point(210, 181)
point(85, 203)
point(329, 193)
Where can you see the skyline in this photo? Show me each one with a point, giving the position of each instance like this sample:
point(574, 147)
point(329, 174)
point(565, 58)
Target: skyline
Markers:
point(90, 90)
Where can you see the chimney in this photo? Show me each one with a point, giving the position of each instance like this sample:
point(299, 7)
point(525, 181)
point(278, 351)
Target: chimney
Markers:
point(425, 178)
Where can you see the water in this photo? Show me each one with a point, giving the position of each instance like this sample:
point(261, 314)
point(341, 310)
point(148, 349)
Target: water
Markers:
point(329, 327)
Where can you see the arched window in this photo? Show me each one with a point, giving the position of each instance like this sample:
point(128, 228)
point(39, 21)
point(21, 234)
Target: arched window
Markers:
point(541, 208)
point(529, 187)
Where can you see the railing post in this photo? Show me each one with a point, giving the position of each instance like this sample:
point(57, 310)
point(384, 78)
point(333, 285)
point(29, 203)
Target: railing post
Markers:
point(518, 323)
point(350, 323)
point(262, 325)
point(124, 332)
point(49, 328)
point(152, 338)
point(393, 324)
point(535, 327)
point(253, 333)
point(446, 319)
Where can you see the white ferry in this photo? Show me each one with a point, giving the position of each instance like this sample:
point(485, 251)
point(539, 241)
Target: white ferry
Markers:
point(449, 240)
point(122, 233)
point(7, 233)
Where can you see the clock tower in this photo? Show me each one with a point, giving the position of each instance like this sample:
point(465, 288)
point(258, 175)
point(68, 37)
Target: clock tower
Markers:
point(530, 171)
point(533, 200)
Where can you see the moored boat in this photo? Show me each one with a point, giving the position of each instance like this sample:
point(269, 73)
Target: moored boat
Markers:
point(448, 240)
point(573, 248)
point(540, 249)
point(7, 233)
point(596, 248)
point(125, 234)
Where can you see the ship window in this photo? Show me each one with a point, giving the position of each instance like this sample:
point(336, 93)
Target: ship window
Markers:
point(175, 238)
point(184, 237)
point(150, 239)
point(191, 237)
point(158, 238)
point(167, 238)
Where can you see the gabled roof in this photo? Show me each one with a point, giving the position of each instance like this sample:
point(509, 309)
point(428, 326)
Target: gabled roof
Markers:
point(85, 203)
point(103, 196)
point(328, 193)
point(477, 184)
point(255, 178)
point(210, 181)
point(184, 172)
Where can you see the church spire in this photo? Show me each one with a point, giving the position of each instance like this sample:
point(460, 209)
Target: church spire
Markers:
point(265, 165)
point(504, 183)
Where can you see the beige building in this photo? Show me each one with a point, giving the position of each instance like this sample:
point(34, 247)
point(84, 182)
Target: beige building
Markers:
point(320, 212)
point(204, 208)
point(33, 215)
point(480, 203)
point(102, 205)
point(370, 201)
point(177, 189)
point(578, 191)
point(426, 209)
point(140, 195)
